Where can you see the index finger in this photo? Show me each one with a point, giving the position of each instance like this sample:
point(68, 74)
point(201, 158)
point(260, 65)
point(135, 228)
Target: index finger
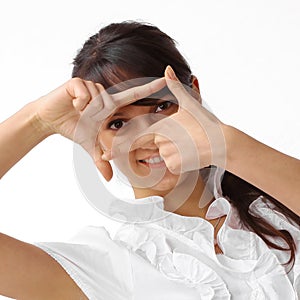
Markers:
point(133, 94)
point(138, 139)
point(185, 95)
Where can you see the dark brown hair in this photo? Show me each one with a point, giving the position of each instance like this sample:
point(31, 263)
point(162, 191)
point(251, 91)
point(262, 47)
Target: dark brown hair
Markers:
point(127, 50)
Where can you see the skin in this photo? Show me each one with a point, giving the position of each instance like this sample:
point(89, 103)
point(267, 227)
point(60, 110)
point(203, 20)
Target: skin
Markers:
point(117, 123)
point(113, 125)
point(108, 134)
point(29, 273)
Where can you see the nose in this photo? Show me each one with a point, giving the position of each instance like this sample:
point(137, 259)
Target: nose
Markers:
point(135, 128)
point(143, 123)
point(149, 146)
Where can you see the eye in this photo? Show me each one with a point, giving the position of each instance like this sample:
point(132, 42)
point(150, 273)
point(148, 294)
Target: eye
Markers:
point(116, 124)
point(163, 106)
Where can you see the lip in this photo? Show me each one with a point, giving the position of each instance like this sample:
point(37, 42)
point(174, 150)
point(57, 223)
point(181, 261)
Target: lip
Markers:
point(153, 161)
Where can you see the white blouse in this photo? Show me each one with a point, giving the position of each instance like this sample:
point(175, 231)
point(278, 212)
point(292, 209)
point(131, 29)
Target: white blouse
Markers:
point(173, 257)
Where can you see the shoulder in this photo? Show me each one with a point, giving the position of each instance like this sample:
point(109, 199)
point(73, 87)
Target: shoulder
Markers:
point(92, 257)
point(27, 272)
point(265, 208)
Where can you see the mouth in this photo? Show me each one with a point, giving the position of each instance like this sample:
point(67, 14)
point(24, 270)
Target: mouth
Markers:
point(153, 162)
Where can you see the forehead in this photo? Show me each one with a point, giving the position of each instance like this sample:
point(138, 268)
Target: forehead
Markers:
point(140, 107)
point(130, 109)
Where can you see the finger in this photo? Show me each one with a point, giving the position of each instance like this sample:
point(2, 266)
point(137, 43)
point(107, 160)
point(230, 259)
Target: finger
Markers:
point(95, 106)
point(95, 151)
point(139, 92)
point(102, 165)
point(107, 155)
point(108, 102)
point(79, 92)
point(96, 103)
point(138, 133)
point(143, 141)
point(176, 87)
point(123, 146)
point(92, 88)
point(171, 138)
point(105, 169)
point(102, 106)
point(143, 138)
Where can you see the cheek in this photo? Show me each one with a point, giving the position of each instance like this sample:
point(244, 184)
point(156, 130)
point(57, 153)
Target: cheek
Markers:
point(106, 139)
point(127, 165)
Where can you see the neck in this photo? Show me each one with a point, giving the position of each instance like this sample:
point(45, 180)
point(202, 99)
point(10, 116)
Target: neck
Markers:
point(191, 207)
point(189, 198)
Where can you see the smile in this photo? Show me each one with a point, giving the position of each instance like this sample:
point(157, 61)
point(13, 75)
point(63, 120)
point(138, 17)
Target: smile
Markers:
point(153, 161)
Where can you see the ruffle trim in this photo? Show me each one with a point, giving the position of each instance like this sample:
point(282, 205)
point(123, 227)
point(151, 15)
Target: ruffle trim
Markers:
point(171, 245)
point(174, 263)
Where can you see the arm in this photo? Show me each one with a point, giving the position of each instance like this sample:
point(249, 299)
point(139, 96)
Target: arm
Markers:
point(61, 111)
point(19, 134)
point(221, 145)
point(275, 173)
point(72, 110)
point(27, 272)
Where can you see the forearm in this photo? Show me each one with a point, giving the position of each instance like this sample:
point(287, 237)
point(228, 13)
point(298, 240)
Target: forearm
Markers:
point(275, 173)
point(18, 135)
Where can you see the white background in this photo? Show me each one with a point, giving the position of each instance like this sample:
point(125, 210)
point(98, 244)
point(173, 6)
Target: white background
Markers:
point(245, 54)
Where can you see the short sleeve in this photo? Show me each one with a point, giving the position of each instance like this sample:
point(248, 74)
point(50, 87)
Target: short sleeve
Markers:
point(264, 208)
point(100, 266)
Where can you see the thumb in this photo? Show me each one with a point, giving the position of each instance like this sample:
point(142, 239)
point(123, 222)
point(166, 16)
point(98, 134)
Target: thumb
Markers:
point(177, 88)
point(105, 169)
point(102, 164)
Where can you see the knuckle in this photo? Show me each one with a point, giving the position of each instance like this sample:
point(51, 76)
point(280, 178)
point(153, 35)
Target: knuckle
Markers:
point(75, 80)
point(110, 105)
point(84, 96)
point(172, 167)
point(135, 94)
point(158, 140)
point(150, 89)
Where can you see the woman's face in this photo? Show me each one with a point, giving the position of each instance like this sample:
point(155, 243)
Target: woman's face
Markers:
point(139, 164)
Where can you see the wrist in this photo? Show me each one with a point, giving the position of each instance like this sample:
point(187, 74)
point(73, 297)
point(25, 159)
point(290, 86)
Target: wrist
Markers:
point(232, 138)
point(222, 145)
point(241, 151)
point(40, 128)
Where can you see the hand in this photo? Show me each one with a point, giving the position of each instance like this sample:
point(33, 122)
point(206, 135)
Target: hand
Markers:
point(190, 139)
point(77, 109)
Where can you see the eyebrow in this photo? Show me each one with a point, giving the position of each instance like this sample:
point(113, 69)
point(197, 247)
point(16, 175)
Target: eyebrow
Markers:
point(144, 102)
point(153, 101)
point(118, 114)
point(141, 102)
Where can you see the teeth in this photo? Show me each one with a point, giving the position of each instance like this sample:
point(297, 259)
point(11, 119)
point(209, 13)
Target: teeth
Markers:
point(153, 160)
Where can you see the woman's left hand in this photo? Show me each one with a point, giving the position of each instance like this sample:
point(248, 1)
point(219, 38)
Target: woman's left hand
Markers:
point(190, 139)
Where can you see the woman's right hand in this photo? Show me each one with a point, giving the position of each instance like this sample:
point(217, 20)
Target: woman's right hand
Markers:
point(60, 110)
point(77, 109)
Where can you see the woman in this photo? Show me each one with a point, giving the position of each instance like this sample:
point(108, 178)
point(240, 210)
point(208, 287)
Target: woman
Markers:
point(239, 239)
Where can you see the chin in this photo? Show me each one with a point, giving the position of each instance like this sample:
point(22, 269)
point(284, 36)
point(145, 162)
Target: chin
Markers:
point(168, 183)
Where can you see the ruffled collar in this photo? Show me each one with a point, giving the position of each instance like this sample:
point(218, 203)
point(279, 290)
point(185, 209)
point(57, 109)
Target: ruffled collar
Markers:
point(182, 249)
point(169, 243)
point(151, 209)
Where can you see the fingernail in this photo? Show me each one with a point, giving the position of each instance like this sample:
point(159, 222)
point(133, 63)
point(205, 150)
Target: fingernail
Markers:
point(105, 157)
point(171, 73)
